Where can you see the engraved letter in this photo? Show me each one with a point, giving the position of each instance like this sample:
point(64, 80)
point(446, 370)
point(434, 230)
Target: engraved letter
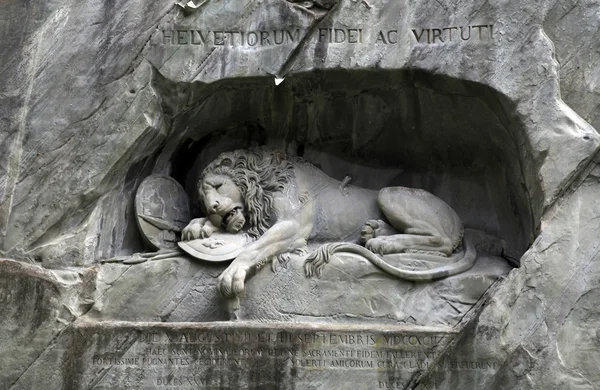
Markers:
point(182, 37)
point(200, 41)
point(294, 38)
point(233, 33)
point(437, 33)
point(229, 37)
point(418, 37)
point(340, 35)
point(322, 34)
point(352, 35)
point(218, 38)
point(264, 37)
point(462, 36)
point(278, 42)
point(479, 27)
point(380, 38)
point(450, 31)
point(252, 42)
point(167, 37)
point(390, 34)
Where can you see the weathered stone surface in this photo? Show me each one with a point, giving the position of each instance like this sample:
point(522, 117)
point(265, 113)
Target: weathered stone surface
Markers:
point(539, 323)
point(368, 296)
point(93, 100)
point(181, 289)
point(573, 28)
point(112, 89)
point(178, 289)
point(36, 305)
point(236, 356)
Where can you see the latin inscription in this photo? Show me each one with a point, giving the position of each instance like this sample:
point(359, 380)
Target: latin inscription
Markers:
point(231, 38)
point(205, 358)
point(329, 35)
point(341, 35)
point(303, 338)
point(480, 32)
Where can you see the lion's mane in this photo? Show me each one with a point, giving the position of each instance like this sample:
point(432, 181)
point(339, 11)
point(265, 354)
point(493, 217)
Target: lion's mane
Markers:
point(258, 173)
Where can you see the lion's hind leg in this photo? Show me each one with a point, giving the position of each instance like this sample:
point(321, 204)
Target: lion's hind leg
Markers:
point(420, 218)
point(400, 243)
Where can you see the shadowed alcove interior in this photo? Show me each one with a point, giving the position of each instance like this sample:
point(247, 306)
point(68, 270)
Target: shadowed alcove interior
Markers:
point(459, 140)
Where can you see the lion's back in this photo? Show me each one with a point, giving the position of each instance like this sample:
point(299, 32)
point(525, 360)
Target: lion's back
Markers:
point(338, 211)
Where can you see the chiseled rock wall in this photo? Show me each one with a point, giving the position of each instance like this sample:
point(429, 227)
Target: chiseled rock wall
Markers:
point(81, 124)
point(541, 323)
point(36, 305)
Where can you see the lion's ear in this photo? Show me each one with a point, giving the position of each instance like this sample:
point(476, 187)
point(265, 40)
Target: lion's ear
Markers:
point(226, 162)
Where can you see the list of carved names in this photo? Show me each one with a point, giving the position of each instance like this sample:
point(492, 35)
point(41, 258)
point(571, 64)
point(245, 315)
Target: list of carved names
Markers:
point(183, 359)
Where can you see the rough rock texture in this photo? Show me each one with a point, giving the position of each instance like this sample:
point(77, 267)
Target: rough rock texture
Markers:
point(178, 289)
point(80, 159)
point(573, 28)
point(92, 100)
point(232, 356)
point(540, 325)
point(351, 290)
point(36, 305)
point(181, 289)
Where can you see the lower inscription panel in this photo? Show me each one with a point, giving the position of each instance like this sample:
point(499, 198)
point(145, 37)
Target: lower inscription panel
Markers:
point(242, 355)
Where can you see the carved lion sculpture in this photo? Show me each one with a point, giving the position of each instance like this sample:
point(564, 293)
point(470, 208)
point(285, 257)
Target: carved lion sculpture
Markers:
point(284, 203)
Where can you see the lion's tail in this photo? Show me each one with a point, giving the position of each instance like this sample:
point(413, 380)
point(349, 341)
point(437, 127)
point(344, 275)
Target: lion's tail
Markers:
point(460, 262)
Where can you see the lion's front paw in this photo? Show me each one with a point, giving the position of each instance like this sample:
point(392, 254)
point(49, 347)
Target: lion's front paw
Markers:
point(231, 281)
point(192, 230)
point(197, 228)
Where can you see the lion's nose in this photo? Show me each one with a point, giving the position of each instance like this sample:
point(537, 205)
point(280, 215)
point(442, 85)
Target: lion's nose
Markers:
point(214, 205)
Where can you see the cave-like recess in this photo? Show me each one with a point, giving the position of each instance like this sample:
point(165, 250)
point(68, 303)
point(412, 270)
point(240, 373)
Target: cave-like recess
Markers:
point(457, 139)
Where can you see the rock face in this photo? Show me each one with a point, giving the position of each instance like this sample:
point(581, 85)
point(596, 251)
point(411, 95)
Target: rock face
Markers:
point(37, 305)
point(491, 107)
point(180, 290)
point(370, 296)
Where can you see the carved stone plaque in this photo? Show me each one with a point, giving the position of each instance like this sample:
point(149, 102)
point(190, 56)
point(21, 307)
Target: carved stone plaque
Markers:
point(255, 356)
point(162, 209)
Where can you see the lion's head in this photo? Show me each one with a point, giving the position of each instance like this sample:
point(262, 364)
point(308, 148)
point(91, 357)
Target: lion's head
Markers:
point(242, 183)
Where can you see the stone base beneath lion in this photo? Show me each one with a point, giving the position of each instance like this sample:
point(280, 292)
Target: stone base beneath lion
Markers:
point(350, 290)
